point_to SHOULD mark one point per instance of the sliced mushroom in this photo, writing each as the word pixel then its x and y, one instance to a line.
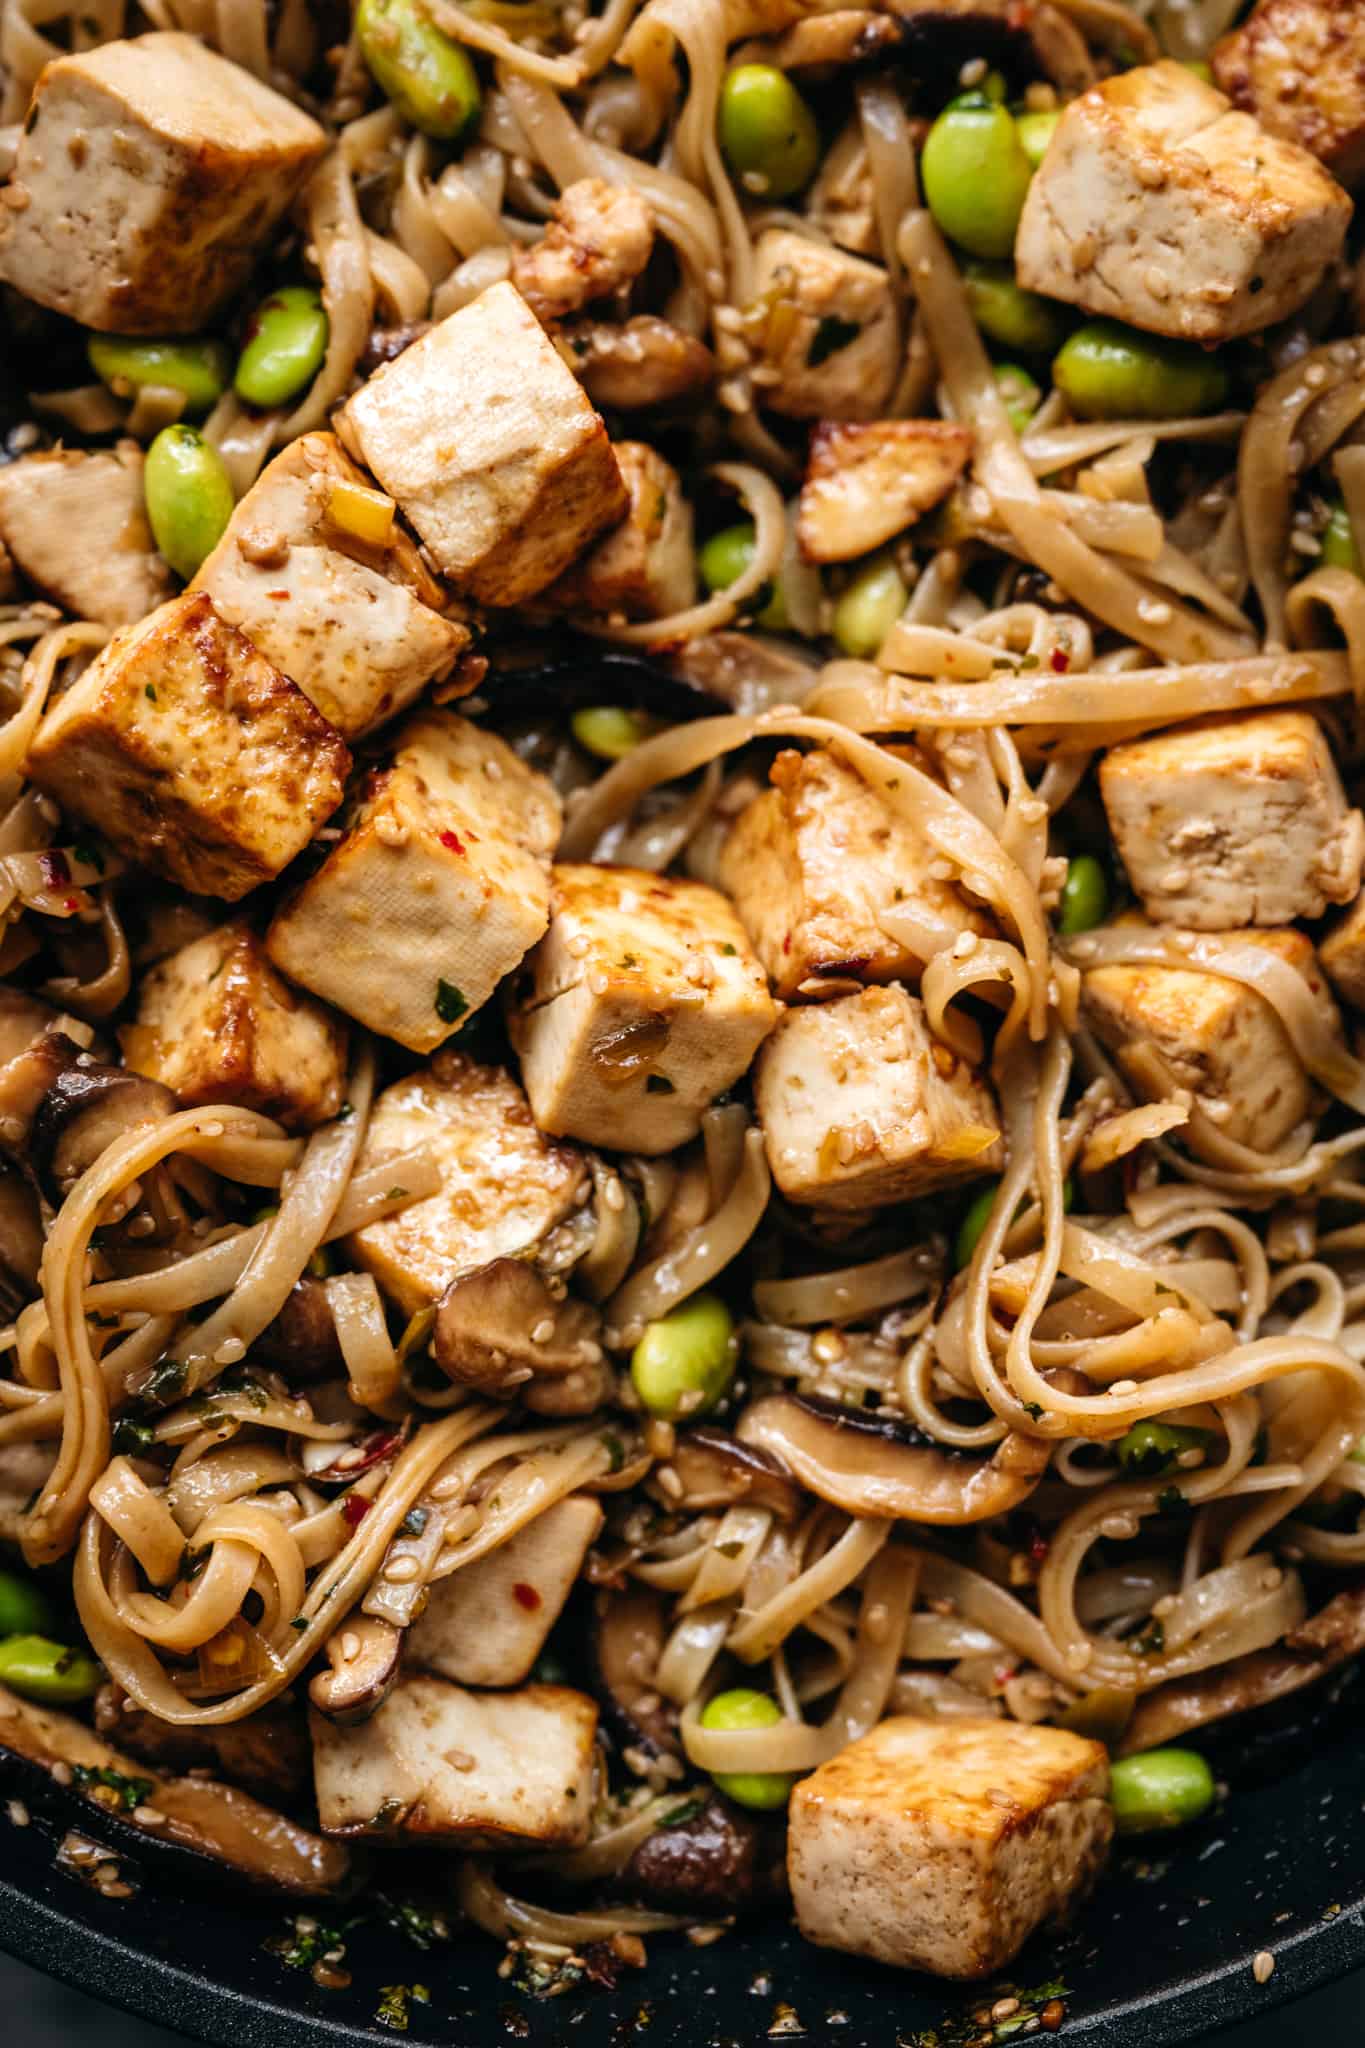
pixel 363 1657
pixel 644 361
pixel 716 1861
pixel 870 1466
pixel 21 1241
pixel 576 1393
pixel 26 1078
pixel 302 1341
pixel 501 1328
pixel 386 344
pixel 23 1017
pixel 84 1110
pixel 266 1755
pixel 628 1632
pixel 717 1470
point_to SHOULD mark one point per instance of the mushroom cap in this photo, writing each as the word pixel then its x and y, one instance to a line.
pixel 717 1471
pixel 627 1635
pixel 84 1110
pixel 502 1325
pixel 363 1657
pixel 716 1861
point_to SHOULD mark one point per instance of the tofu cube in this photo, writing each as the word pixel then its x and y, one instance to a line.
pixel 501 1770
pixel 487 1624
pixel 830 333
pixel 75 525
pixel 216 1023
pixel 1160 205
pixel 504 1186
pixel 866 483
pixel 597 240
pixel 438 888
pixel 942 1845
pixel 1299 67
pixel 813 863
pixel 359 628
pixel 860 1105
pixel 491 448
pixel 1239 822
pixel 643 567
pixel 147 176
pixel 192 753
pixel 642 1003
pixel 1342 953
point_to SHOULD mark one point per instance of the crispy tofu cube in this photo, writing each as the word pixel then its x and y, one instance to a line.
pixel 860 1105
pixel 147 176
pixel 438 888
pixel 643 567
pixel 503 1185
pixel 1175 1027
pixel 487 1624
pixel 1160 205
pixel 813 863
pixel 192 753
pixel 75 524
pixel 491 448
pixel 597 240
pixel 830 333
pixel 1342 954
pixel 642 1003
pixel 942 1845
pixel 489 1770
pixel 216 1023
pixel 865 483
pixel 1238 822
pixel 1299 67
pixel 358 628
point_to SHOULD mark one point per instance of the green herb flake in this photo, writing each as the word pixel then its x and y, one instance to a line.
pixel 300 1622
pixel 415 1521
pixel 130 1792
pixel 133 1439
pixel 830 336
pixel 150 693
pixel 89 853
pixel 615 1450
pixel 1035 1409
pixel 450 1004
pixel 678 1816
pixel 392 2009
pixel 395 1194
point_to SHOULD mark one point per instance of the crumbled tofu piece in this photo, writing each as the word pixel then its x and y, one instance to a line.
pixel 1177 1027
pixel 1299 67
pixel 644 566
pixel 1160 205
pixel 216 1023
pixel 642 361
pixel 830 334
pixel 358 628
pixel 597 239
pixel 147 176
pixel 865 483
pixel 491 448
pixel 489 1770
pixel 503 1185
pixel 487 1624
pixel 942 1845
pixel 860 1105
pixel 1241 821
pixel 813 863
pixel 1342 954
pixel 192 753
pixel 75 523
pixel 642 1003
pixel 438 888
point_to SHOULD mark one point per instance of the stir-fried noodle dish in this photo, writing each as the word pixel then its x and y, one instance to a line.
pixel 682 1202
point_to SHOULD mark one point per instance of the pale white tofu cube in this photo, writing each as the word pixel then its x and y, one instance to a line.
pixel 867 482
pixel 1299 67
pixel 147 176
pixel 861 1105
pixel 1239 822
pixel 942 1845
pixel 357 626
pixel 500 1770
pixel 642 1003
pixel 1342 953
pixel 192 753
pixel 438 888
pixel 830 333
pixel 487 1624
pixel 597 240
pixel 491 448
pixel 1159 205
pixel 75 525
pixel 644 567
pixel 504 1186
pixel 814 862
pixel 216 1023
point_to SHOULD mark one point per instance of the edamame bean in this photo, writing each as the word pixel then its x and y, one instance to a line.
pixel 868 608
pixel 127 366
pixel 24 1608
pixel 419 70
pixel 686 1360
pixel 976 175
pixel 1008 314
pixel 725 557
pixel 979 1215
pixel 189 497
pixel 1160 1789
pixel 609 731
pixel 52 1672
pixel 767 132
pixel 1151 1448
pixel 1085 895
pixel 1021 395
pixel 1035 132
pixel 1339 550
pixel 1111 372
pixel 286 342
pixel 745 1708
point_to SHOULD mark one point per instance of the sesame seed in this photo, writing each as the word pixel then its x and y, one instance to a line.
pixel 1263 1966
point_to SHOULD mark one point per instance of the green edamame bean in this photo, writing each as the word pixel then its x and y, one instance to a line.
pixel 419 70
pixel 979 1215
pixel 24 1608
pixel 686 1360
pixel 868 608
pixel 286 342
pixel 52 1672
pixel 1109 372
pixel 726 556
pixel 1151 1448
pixel 1021 395
pixel 1160 1789
pixel 767 132
pixel 745 1708
pixel 189 497
pixel 609 731
pixel 976 175
pixel 1339 550
pixel 1085 895
pixel 127 366
pixel 1008 314
pixel 1035 133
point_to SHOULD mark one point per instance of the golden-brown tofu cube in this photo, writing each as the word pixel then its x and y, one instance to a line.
pixel 1299 67
pixel 487 1623
pixel 829 340
pixel 597 239
pixel 865 483
pixel 75 524
pixel 643 567
pixel 192 753
pixel 1342 953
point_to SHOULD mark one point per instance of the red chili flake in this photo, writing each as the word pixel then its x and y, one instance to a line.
pixel 787 942
pixel 354 1509
pixel 1061 661
pixel 71 904
pixel 453 841
pixel 526 1596
pixel 1037 1545
pixel 55 870
pixel 278 595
